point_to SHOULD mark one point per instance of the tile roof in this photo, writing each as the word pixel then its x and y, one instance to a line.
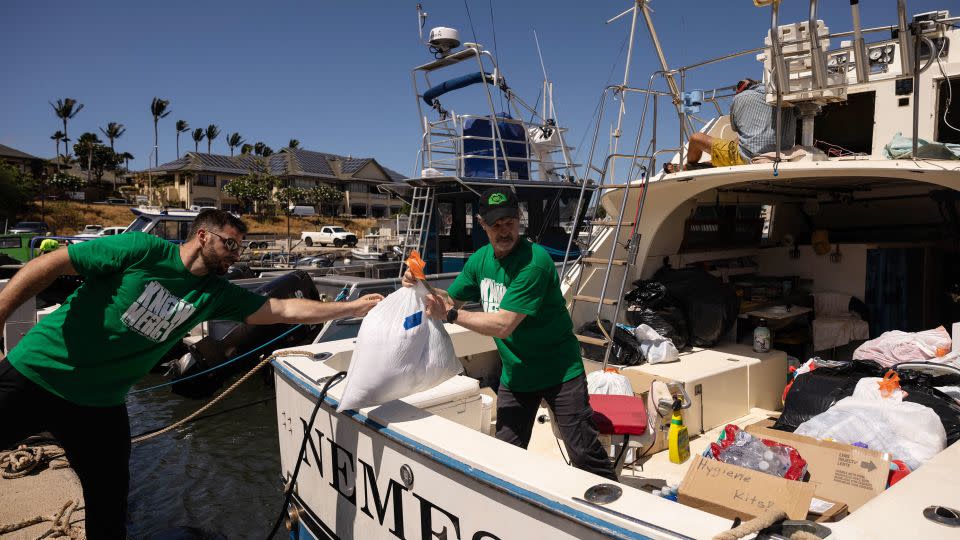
pixel 287 162
pixel 7 152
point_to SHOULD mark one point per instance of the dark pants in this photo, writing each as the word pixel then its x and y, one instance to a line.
pixel 95 439
pixel 517 411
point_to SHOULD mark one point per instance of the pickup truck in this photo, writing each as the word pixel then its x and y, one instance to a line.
pixel 329 234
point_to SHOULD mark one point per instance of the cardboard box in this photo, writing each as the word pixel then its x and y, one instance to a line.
pixel 841 472
pixel 731 492
pixel 826 511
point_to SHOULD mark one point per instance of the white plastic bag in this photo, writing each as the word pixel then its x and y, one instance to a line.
pixel 399 351
pixel 608 382
pixel 654 347
pixel 909 431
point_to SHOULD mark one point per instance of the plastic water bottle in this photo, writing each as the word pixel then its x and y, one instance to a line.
pixel 761 337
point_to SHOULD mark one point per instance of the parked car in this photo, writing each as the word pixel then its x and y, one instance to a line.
pixel 302 211
pixel 329 234
pixel 90 231
pixel 110 231
pixel 30 227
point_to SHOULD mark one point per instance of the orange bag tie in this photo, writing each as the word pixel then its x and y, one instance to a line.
pixel 889 384
pixel 416 265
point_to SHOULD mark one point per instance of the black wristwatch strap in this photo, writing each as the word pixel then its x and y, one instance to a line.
pixel 452 315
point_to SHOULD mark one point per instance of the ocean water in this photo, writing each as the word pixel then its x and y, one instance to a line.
pixel 217 477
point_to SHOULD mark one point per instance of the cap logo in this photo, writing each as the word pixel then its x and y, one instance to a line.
pixel 497 198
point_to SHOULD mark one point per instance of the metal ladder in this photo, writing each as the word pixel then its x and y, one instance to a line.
pixel 631 245
pixel 421 212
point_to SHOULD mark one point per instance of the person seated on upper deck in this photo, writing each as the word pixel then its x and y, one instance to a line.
pixel 753 121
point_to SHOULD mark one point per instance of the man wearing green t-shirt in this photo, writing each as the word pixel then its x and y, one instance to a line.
pixel 524 311
pixel 141 295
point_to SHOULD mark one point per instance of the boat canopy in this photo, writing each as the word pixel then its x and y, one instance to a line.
pixel 455 84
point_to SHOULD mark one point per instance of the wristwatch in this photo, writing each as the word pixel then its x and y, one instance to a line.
pixel 452 315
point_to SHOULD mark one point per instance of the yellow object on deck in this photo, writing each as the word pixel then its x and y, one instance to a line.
pixel 678 441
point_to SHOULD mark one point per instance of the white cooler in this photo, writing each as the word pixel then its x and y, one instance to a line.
pixel 457 399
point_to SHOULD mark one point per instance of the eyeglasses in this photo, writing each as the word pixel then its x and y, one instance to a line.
pixel 228 243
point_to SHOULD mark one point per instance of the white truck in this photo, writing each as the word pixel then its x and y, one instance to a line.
pixel 329 234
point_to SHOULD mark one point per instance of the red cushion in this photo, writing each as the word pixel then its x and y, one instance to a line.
pixel 619 415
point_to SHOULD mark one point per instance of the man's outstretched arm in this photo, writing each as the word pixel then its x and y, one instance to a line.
pixel 300 310
pixel 33 278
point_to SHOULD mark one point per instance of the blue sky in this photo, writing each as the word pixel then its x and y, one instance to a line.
pixel 336 75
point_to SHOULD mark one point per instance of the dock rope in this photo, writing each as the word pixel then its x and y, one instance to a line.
pixel 222 395
pixel 60 527
pixel 22 461
pixel 760 523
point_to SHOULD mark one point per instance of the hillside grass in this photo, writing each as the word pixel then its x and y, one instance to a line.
pixel 69 217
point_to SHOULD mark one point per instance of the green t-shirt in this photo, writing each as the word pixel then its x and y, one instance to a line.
pixel 136 302
pixel 542 351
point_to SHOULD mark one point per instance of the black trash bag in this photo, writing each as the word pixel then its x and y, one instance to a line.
pixel 814 392
pixel 668 321
pixel 626 348
pixel 649 303
pixel 648 294
pixel 710 305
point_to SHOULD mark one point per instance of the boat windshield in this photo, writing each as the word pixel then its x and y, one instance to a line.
pixel 140 223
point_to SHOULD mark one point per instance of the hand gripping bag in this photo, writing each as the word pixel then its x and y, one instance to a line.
pixel 399 350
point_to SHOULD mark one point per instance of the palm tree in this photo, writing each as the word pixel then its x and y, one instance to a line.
pixel 113 131
pixel 212 133
pixel 182 127
pixel 197 137
pixel 246 149
pixel 57 137
pixel 126 157
pixel 294 143
pixel 66 109
pixel 267 151
pixel 234 140
pixel 158 108
pixel 86 143
pixel 258 148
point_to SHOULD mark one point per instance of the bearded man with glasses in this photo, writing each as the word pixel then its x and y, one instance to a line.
pixel 141 295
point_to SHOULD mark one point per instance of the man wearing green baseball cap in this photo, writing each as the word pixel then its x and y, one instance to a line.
pixel 524 311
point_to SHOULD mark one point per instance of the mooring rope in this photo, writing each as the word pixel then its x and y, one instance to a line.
pixel 760 523
pixel 22 461
pixel 222 395
pixel 60 527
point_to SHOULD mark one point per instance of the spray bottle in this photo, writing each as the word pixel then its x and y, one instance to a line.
pixel 678 440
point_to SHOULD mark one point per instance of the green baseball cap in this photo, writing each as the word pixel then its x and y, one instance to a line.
pixel 498 203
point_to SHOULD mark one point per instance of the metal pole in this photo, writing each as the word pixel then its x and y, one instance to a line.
pixel 916 90
pixel 663 60
pixel 903 34
pixel 817 68
pixel 626 80
pixel 859 50
pixel 779 69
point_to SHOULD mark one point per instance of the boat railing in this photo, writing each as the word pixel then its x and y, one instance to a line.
pixel 456 146
pixel 799 69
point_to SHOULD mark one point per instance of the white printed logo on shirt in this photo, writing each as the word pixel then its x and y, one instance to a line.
pixel 157 313
pixel 491 294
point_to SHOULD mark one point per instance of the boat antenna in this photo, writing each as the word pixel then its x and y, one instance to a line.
pixel 496 54
pixel 421 21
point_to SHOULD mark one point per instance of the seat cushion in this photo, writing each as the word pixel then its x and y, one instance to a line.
pixel 619 415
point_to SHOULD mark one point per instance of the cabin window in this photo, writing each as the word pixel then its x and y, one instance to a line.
pixel 171 230
pixel 766 213
pixel 951 115
pixel 845 127
pixel 724 226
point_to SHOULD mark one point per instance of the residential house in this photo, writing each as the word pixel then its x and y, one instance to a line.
pixel 22 160
pixel 197 179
